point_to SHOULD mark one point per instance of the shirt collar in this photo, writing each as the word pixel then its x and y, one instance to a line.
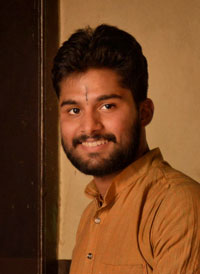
pixel 128 176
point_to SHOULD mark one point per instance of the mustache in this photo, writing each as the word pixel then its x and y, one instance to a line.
pixel 83 138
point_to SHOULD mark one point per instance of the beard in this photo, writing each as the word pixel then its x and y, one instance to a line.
pixel 117 160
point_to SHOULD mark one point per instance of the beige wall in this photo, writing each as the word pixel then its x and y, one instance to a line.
pixel 169 32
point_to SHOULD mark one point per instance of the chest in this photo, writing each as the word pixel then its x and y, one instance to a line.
pixel 109 240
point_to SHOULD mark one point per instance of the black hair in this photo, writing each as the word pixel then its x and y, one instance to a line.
pixel 103 47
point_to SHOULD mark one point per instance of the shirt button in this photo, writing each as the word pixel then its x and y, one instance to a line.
pixel 89 256
pixel 97 220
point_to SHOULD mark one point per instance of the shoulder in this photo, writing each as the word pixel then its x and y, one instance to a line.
pixel 180 200
pixel 175 228
pixel 171 194
pixel 179 185
pixel 171 182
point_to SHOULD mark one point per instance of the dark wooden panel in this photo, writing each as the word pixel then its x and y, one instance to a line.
pixel 18 265
pixel 20 133
pixel 64 266
pixel 28 136
pixel 58 267
pixel 50 138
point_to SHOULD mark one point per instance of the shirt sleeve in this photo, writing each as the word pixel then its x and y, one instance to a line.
pixel 176 232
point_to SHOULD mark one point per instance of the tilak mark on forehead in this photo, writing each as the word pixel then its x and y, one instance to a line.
pixel 86 95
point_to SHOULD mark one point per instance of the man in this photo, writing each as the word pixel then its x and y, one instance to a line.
pixel 144 216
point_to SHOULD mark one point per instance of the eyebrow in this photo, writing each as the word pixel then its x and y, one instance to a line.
pixel 110 96
pixel 68 102
pixel 100 98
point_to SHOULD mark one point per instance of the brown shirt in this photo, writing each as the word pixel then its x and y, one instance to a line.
pixel 149 222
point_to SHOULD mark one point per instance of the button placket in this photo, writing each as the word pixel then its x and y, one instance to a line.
pixel 89 256
pixel 99 216
pixel 97 220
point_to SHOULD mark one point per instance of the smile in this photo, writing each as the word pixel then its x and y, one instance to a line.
pixel 95 143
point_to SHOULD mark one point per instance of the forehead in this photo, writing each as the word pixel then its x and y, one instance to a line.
pixel 93 83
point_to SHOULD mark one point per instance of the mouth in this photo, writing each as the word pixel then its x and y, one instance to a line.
pixel 95 143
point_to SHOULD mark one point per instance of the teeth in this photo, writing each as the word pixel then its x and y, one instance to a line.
pixel 94 144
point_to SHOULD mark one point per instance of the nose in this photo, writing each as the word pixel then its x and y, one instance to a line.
pixel 91 123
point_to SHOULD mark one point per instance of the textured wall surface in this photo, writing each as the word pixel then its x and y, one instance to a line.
pixel 170 35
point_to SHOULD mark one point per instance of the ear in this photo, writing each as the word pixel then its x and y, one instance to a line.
pixel 146 110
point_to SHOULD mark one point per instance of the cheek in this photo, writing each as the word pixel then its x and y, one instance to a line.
pixel 66 131
pixel 120 127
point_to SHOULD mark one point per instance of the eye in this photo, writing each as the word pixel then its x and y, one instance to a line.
pixel 74 111
pixel 108 106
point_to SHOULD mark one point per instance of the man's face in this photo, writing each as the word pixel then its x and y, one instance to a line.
pixel 99 122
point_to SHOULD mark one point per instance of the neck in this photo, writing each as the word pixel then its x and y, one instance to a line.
pixel 104 182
